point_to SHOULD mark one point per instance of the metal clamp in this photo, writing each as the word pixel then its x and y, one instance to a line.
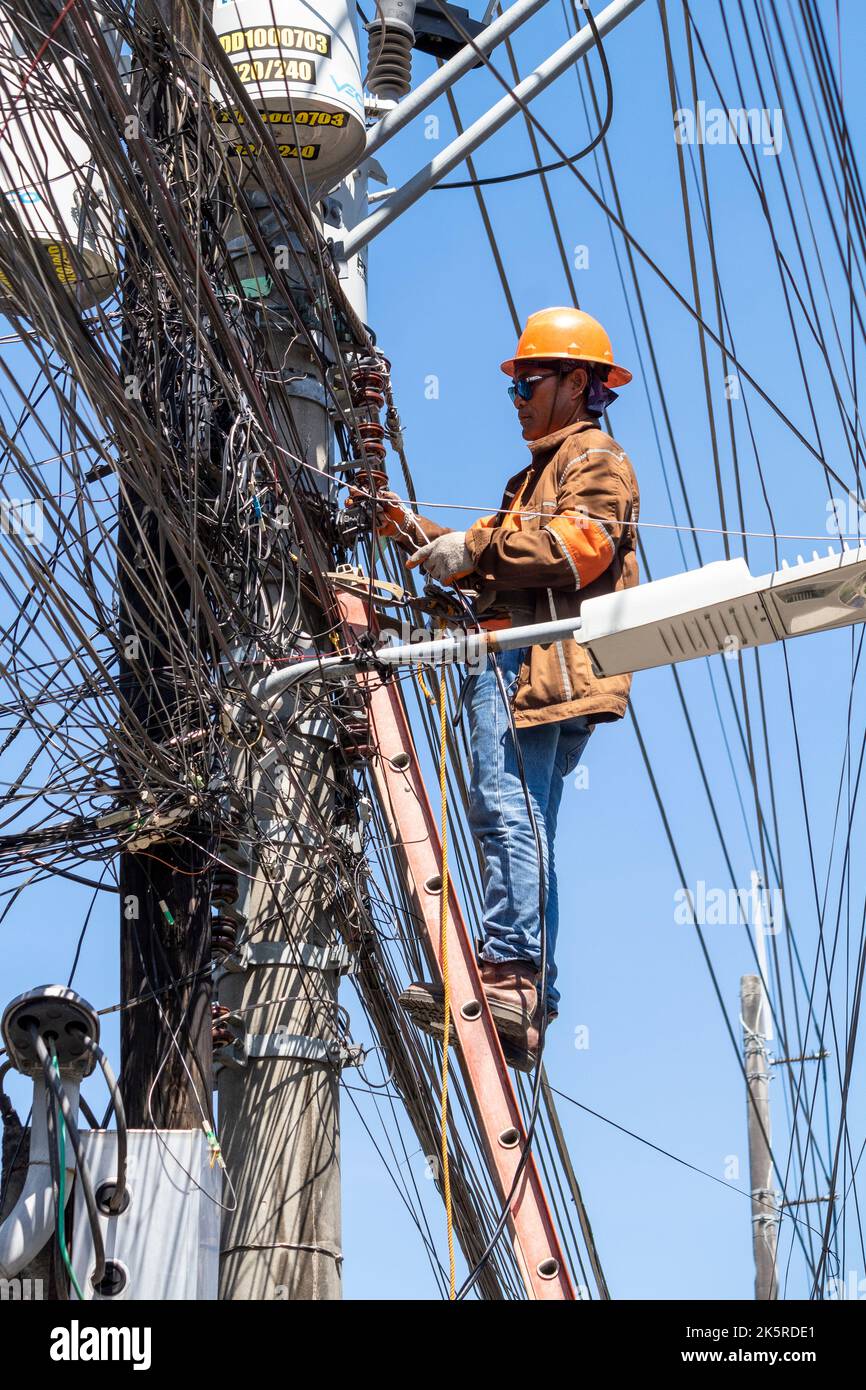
pixel 305 388
pixel 307 957
pixel 288 1047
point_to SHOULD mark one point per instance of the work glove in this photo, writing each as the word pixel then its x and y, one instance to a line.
pixel 391 513
pixel 445 559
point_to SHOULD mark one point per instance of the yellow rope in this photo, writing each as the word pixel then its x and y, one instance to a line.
pixel 443 953
pixel 424 686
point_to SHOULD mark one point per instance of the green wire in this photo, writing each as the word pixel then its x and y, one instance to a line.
pixel 61 1202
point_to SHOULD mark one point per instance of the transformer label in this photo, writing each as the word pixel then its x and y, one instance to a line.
pixel 276 70
pixel 284 151
pixel 62 264
pixel 309 118
pixel 284 36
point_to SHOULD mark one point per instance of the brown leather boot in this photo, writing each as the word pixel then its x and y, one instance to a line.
pixel 511 988
pixel 523 1055
pixel 512 996
pixel 425 1005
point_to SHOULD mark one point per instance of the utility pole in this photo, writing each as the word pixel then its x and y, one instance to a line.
pixel 262 875
pixel 279 1049
pixel 266 870
pixel 278 1080
pixel 765 1019
pixel 165 911
pixel 765 1215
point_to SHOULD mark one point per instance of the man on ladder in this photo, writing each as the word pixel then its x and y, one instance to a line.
pixel 562 534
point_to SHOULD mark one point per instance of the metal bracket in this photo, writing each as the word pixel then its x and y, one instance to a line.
pixel 288 1047
pixel 157 828
pixel 307 957
pixel 307 387
pixel 322 728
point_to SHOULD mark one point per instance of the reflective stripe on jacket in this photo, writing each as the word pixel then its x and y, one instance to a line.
pixel 571 539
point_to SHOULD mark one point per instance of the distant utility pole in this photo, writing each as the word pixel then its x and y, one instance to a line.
pixel 765 1213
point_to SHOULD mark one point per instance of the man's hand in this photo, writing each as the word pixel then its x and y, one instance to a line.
pixel 445 559
pixel 391 519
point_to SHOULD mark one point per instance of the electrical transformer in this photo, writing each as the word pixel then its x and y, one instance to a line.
pixel 298 61
pixel 47 175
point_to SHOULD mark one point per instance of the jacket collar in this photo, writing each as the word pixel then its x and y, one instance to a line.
pixel 549 442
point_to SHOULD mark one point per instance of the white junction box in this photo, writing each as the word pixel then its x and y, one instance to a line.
pixel 165 1245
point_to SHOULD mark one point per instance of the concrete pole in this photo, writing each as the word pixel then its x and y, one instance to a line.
pixel 765 1216
pixel 279 1113
pixel 765 1022
pixel 279 1109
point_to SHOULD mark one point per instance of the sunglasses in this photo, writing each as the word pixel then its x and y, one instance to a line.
pixel 525 385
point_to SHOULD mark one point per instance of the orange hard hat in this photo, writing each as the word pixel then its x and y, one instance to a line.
pixel 567 333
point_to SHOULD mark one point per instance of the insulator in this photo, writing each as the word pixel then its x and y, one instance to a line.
pixel 369 379
pixel 372 436
pixel 369 478
pixel 225 884
pixel 221 1034
pixel 355 743
pixel 390 51
pixel 223 936
pixel 372 428
pixel 368 399
pixel 368 388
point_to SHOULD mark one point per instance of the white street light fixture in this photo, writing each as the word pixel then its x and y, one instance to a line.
pixel 720 608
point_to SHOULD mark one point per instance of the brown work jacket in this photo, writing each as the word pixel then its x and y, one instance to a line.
pixel 570 537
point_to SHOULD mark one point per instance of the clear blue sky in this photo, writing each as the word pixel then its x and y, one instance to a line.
pixel 659 1061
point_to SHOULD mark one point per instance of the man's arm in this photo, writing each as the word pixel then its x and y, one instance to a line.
pixel 407 531
pixel 595 501
pixel 432 530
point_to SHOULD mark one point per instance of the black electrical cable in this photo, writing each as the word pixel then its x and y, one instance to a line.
pixel 52 1124
pixel 555 164
pixel 159 451
pixel 116 1200
pixel 58 1092
pixel 757 655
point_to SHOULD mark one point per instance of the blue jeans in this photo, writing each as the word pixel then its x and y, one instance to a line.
pixel 499 820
